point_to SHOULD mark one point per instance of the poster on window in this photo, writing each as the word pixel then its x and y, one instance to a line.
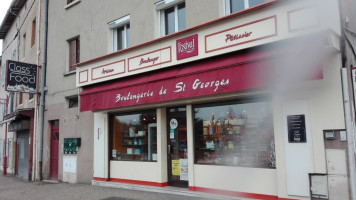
pixel 175 168
pixel 21 77
pixel 183 169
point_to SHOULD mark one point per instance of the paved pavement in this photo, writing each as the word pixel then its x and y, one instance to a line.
pixel 13 188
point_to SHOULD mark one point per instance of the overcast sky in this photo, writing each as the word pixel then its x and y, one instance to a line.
pixel 4 6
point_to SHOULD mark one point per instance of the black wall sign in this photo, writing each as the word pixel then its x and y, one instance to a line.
pixel 296 128
pixel 21 77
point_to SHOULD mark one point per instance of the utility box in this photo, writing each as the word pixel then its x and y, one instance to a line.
pixel 71 145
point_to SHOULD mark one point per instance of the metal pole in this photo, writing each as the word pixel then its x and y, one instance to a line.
pixel 43 87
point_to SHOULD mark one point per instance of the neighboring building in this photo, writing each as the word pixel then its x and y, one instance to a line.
pixel 22 37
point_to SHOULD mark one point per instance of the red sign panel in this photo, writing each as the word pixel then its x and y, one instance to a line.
pixel 187 47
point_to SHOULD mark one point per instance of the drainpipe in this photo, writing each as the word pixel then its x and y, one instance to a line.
pixel 4 166
pixel 43 86
pixel 349 131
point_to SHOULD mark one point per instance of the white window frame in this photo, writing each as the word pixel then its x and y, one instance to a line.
pixel 161 7
pixel 228 6
pixel 113 26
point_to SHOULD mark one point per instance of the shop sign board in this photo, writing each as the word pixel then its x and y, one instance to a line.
pixel 245 33
pixel 108 70
pixel 21 77
pixel 296 129
pixel 187 47
pixel 150 59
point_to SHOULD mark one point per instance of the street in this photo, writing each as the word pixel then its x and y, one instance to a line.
pixel 13 188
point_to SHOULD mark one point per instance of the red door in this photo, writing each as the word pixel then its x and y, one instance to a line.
pixel 54 152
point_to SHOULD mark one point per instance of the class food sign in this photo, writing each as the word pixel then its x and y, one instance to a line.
pixel 21 77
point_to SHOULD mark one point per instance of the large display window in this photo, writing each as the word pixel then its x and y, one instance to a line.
pixel 134 136
pixel 235 133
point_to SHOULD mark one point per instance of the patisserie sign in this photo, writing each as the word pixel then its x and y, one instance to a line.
pixel 21 77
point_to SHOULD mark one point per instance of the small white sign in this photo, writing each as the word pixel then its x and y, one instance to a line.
pixel 343 136
pixel 114 153
pixel 173 123
pixel 171 135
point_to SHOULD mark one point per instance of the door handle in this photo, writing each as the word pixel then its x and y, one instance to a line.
pixel 169 149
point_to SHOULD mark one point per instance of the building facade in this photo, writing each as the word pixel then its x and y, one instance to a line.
pixel 232 104
pixel 21 32
pixel 247 98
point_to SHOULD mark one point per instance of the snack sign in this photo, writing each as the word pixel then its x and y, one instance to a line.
pixel 21 77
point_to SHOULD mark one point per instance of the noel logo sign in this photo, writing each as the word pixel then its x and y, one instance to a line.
pixel 21 77
pixel 187 47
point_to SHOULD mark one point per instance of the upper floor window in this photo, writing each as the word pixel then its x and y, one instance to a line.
pixel 121 33
pixel 33 33
pixel 73 101
pixel 238 5
pixel 172 16
pixel 24 45
pixel 74 53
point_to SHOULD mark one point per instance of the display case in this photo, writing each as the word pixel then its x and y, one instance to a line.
pixel 134 138
pixel 242 139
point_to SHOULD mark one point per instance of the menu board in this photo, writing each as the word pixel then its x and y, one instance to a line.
pixel 296 129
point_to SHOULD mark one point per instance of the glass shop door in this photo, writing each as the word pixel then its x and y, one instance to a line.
pixel 177 149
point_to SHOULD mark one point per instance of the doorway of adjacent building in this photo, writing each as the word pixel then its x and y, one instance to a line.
pixel 23 147
pixel 177 148
pixel 54 149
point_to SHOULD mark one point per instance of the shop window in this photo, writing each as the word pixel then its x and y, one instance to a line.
pixel 74 53
pixel 238 5
pixel 134 137
pixel 121 33
pixel 172 16
pixel 236 133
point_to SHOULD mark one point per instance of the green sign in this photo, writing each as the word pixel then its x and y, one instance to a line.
pixel 71 145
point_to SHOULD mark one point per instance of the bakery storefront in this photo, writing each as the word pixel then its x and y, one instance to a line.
pixel 206 109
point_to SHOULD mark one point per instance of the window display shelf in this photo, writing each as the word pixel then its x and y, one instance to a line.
pixel 141 136
pixel 128 154
pixel 134 144
pixel 220 135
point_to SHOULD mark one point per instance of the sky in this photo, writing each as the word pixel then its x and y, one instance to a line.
pixel 4 6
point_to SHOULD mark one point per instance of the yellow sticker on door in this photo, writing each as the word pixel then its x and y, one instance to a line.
pixel 175 168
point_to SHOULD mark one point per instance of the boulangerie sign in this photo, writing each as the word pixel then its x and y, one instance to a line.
pixel 187 47
pixel 21 77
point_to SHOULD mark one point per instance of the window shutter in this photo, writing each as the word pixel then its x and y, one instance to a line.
pixel 77 50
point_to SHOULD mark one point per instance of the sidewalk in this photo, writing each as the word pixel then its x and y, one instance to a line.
pixel 14 188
